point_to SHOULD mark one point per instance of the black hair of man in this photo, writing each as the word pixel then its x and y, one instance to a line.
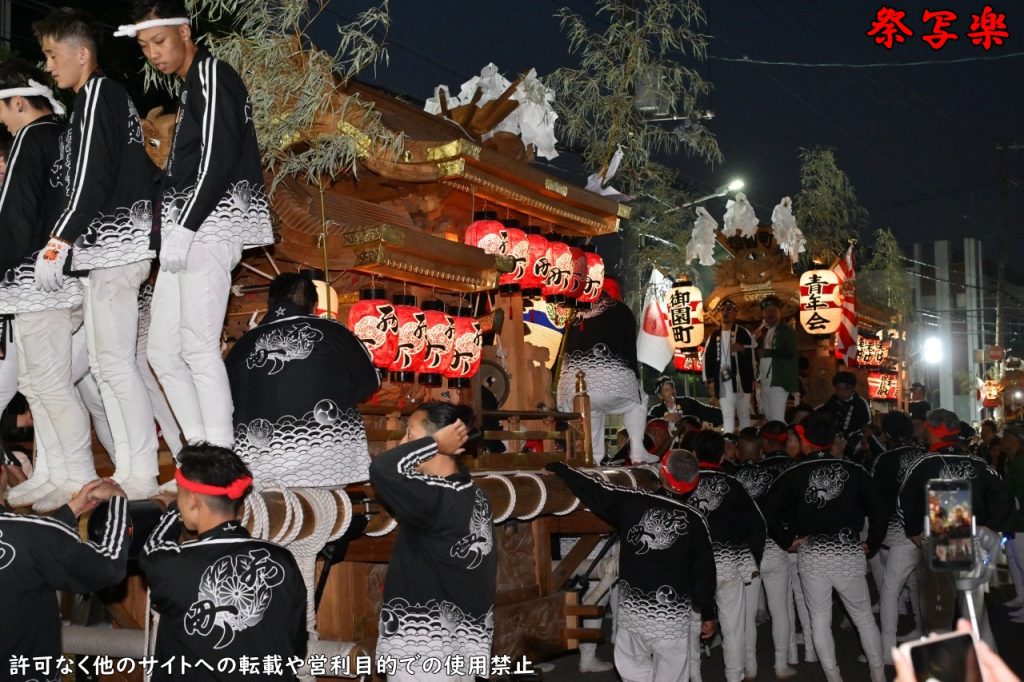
pixel 770 299
pixel 774 428
pixel 294 288
pixel 682 465
pixel 898 427
pixel 691 419
pixel 990 423
pixel 69 24
pixel 213 465
pixel 441 414
pixel 748 432
pixel 944 418
pixel 709 446
pixel 846 378
pixel 820 428
pixel 157 9
pixel 16 73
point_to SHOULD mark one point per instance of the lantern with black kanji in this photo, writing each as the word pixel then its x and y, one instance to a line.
pixel 374 322
pixel 559 270
pixel 485 232
pixel 440 340
pixel 467 349
pixel 519 251
pixel 821 302
pixel 595 278
pixel 685 306
pixel 412 339
pixel 578 275
pixel 536 264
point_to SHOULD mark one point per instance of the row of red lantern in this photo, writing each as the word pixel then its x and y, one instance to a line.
pixel 406 340
pixel 552 268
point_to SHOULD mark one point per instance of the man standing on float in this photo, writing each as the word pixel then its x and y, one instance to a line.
pixel 214 205
pixel 104 230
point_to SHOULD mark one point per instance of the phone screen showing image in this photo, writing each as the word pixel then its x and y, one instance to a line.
pixel 950 659
pixel 950 525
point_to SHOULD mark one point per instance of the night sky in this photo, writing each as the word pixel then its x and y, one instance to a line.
pixel 918 142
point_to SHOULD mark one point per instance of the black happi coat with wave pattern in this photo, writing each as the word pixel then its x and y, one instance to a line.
pixel 222 597
pixel 992 501
pixel 214 183
pixel 826 501
pixel 666 563
pixel 108 180
pixel 295 381
pixel 439 593
pixel 737 528
pixel 30 202
pixel 39 555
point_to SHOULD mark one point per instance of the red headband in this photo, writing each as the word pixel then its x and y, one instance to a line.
pixel 802 435
pixel 775 437
pixel 232 492
pixel 942 434
pixel 612 288
pixel 681 487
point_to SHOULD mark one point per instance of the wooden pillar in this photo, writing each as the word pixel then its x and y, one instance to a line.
pixel 512 342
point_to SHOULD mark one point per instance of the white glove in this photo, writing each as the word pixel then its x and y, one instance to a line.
pixel 50 265
pixel 175 241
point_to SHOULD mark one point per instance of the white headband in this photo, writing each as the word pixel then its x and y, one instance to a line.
pixel 35 89
pixel 132 30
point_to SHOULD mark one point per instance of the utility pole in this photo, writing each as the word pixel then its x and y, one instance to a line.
pixel 1004 235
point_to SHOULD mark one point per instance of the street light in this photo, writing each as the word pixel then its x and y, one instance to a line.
pixel 931 351
pixel 734 186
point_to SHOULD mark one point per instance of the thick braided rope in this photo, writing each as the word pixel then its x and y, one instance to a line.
pixel 346 505
pixel 543 500
pixel 292 513
pixel 305 550
pixel 256 513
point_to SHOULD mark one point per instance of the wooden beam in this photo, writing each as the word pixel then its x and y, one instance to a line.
pixel 568 565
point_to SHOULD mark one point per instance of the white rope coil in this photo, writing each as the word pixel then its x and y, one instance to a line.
pixel 344 519
pixel 543 496
pixel 500 518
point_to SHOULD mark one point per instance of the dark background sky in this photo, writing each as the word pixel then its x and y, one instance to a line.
pixel 918 142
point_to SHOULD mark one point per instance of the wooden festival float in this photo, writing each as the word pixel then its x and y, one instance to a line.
pixel 398 227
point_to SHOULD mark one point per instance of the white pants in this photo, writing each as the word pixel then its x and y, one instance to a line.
pixel 730 599
pixel 1015 562
pixel 634 418
pixel 751 597
pixel 900 568
pixel 735 406
pixel 639 659
pixel 8 371
pixel 184 341
pixel 774 403
pixel 800 604
pixel 853 590
pixel 775 578
pixel 161 410
pixel 111 328
pixel 61 422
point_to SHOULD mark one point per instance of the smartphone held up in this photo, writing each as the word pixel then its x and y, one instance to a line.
pixel 950 525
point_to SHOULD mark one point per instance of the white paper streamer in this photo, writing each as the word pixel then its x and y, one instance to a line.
pixel 787 234
pixel 702 239
pixel 739 217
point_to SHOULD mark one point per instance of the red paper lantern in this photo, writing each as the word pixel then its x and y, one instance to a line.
pixel 440 341
pixel 595 278
pixel 519 250
pixel 559 270
pixel 537 263
pixel 374 322
pixel 412 339
pixel 578 276
pixel 467 350
pixel 485 232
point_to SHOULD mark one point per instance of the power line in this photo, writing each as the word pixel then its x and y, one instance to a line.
pixel 874 65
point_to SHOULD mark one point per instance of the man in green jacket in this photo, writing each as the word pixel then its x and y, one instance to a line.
pixel 777 369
